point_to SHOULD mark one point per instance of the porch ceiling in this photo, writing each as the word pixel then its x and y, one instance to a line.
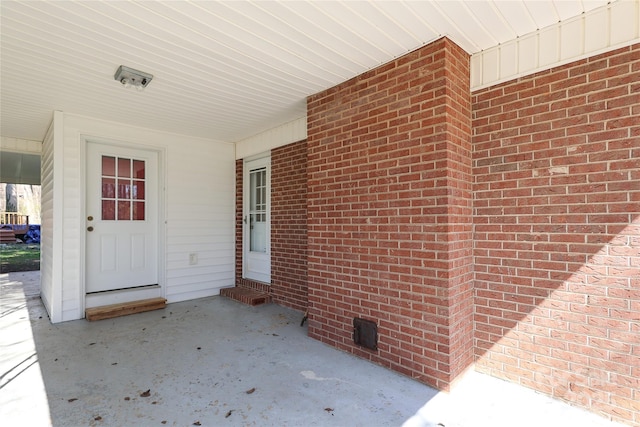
pixel 225 70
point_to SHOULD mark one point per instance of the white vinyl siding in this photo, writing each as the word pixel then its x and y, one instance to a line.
pixel 200 218
pixel 198 203
pixel 72 224
pixel 46 227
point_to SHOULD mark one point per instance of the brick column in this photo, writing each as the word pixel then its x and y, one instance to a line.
pixel 390 215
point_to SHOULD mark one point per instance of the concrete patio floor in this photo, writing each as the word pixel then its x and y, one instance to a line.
pixel 215 362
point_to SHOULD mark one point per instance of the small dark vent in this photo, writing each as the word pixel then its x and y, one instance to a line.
pixel 365 333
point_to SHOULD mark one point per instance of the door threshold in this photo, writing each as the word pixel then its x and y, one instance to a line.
pixel 124 289
pixel 120 296
pixel 124 309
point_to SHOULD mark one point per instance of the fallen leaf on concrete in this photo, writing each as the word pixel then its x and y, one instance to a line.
pixel 98 418
pixel 127 398
pixel 251 390
pixel 73 399
pixel 114 363
pixel 229 413
pixel 197 423
pixel 199 348
pixel 155 402
pixel 92 343
pixel 163 422
pixel 146 393
pixel 328 409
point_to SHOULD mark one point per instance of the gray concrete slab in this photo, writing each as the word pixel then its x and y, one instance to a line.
pixel 216 362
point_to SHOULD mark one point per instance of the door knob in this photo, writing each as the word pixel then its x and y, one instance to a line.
pixel 90 228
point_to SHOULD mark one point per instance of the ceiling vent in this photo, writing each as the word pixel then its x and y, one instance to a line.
pixel 130 77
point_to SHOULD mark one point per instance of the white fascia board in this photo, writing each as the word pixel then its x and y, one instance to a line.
pixel 278 136
pixel 16 145
pixel 601 30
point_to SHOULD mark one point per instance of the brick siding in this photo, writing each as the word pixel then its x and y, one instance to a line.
pixel 289 225
pixel 390 213
pixel 505 222
pixel 556 168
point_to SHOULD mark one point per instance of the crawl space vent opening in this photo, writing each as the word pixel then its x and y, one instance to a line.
pixel 365 333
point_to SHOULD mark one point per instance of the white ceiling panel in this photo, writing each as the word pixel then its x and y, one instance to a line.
pixel 224 70
pixel 354 18
pixel 437 14
pixel 310 34
pixel 543 13
pixel 286 29
pixel 404 14
pixel 392 33
pixel 517 14
pixel 456 18
pixel 488 15
pixel 568 9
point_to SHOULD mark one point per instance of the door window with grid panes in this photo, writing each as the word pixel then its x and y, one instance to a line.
pixel 123 189
pixel 258 210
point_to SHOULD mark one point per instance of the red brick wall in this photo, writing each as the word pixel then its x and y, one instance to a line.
pixel 459 217
pixel 557 232
pixel 390 215
pixel 289 225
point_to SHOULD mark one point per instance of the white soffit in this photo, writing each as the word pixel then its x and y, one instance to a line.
pixel 228 70
pixel 600 30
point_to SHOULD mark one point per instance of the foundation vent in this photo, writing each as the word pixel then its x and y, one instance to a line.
pixel 365 333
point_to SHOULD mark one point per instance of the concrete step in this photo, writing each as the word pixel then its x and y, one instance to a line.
pixel 246 295
pixel 124 309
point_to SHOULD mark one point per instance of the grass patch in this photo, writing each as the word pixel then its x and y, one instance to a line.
pixel 19 257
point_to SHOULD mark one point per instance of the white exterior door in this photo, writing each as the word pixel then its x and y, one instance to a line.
pixel 257 220
pixel 122 218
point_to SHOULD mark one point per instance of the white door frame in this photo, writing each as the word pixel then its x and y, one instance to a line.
pixel 262 261
pixel 87 301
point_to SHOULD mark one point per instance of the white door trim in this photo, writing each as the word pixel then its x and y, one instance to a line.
pixel 87 301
